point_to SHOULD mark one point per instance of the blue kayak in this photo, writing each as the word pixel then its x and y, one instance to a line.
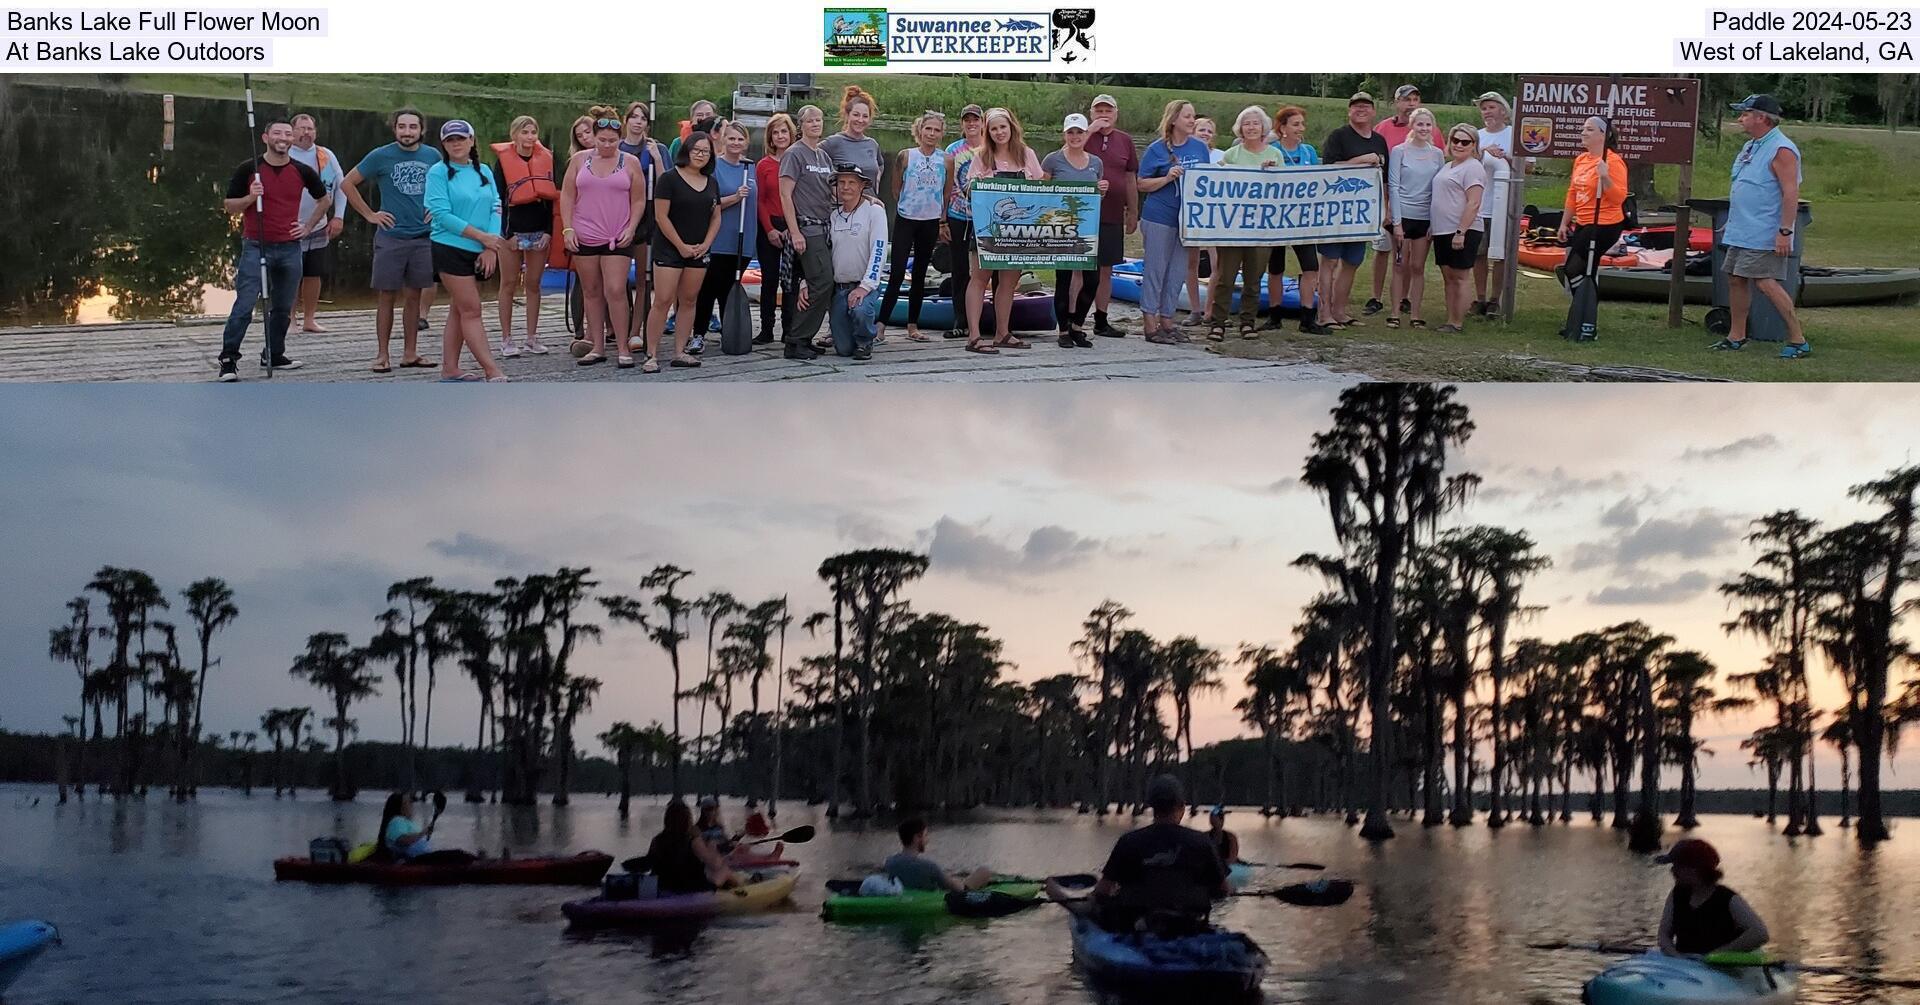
pixel 1126 286
pixel 20 943
pixel 1238 874
pixel 1213 965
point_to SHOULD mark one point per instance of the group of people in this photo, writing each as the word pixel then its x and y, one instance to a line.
pixel 656 231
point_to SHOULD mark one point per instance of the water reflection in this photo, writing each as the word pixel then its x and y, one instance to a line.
pixel 113 225
pixel 164 903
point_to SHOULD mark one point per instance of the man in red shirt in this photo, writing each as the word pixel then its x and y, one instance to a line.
pixel 1119 210
pixel 265 193
pixel 1406 98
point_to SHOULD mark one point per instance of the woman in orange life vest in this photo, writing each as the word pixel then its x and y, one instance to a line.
pixel 524 175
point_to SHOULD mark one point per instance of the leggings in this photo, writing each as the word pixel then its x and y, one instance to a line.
pixel 1164 270
pixel 961 234
pixel 915 237
pixel 722 270
pixel 1600 237
pixel 1071 311
pixel 770 288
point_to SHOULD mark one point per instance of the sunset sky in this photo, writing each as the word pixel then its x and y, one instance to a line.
pixel 1035 503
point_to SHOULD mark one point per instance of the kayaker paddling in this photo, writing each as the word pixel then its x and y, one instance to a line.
pixel 913 870
pixel 402 839
pixel 1225 843
pixel 681 858
pixel 712 829
pixel 1162 870
pixel 1701 916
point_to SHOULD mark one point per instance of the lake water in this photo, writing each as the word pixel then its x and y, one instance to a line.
pixel 163 903
pixel 119 227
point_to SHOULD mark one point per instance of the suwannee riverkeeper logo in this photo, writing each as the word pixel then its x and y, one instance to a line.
pixel 868 36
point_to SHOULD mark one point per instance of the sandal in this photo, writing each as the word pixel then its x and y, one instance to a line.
pixel 1247 331
pixel 1393 323
pixel 650 367
pixel 984 350
pixel 590 359
pixel 380 368
pixel 918 337
pixel 465 378
pixel 1450 330
pixel 625 363
pixel 1216 333
pixel 1417 323
pixel 418 363
pixel 1011 342
pixel 684 364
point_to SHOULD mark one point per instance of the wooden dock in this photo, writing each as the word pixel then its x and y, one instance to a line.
pixel 187 351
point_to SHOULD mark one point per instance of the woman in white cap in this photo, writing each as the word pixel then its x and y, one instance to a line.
pixel 463 208
pixel 1073 289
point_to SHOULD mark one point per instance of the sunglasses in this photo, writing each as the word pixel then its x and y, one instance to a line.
pixel 606 123
pixel 1463 141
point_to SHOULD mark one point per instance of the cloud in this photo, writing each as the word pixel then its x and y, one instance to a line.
pixel 1548 487
pixel 1624 514
pixel 482 551
pixel 1683 587
pixel 1700 535
pixel 970 550
pixel 1728 451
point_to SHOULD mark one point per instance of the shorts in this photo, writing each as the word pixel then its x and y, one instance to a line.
pixel 451 261
pixel 1413 230
pixel 317 263
pixel 1113 244
pixel 666 257
pixel 1302 253
pixel 596 250
pixel 530 242
pixel 401 263
pixel 1382 244
pixel 1350 252
pixel 1752 263
pixel 1447 256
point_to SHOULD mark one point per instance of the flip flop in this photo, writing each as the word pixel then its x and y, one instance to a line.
pixel 649 367
pixel 919 338
pixel 465 378
pixel 984 350
pixel 421 363
pixel 1012 343
pixel 380 369
pixel 685 364
pixel 590 359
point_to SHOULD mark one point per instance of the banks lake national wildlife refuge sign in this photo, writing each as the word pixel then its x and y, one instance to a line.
pixel 1654 118
pixel 1023 224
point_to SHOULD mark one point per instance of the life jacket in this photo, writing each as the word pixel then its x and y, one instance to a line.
pixel 528 180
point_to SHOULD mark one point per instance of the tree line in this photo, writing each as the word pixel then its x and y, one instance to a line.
pixel 1407 683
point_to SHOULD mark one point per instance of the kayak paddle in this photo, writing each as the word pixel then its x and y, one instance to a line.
pixel 799 835
pixel 439 807
pixel 1740 960
pixel 1309 866
pixel 1319 893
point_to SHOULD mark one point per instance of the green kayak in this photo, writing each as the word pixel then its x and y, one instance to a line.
pixel 995 899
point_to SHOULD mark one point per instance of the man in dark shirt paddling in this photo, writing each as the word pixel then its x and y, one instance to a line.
pixel 1164 868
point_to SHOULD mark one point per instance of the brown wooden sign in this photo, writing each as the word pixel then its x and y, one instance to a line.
pixel 1654 118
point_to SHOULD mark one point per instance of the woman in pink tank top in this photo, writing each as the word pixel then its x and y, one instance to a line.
pixel 600 203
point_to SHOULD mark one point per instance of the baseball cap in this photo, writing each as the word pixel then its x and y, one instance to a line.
pixel 974 110
pixel 1360 98
pixel 1218 811
pixel 1074 121
pixel 1692 853
pixel 709 803
pixel 853 169
pixel 1165 793
pixel 456 127
pixel 1758 103
pixel 1104 99
pixel 1405 89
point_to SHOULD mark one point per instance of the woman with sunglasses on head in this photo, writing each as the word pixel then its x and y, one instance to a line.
pixel 1595 212
pixel 1005 155
pixel 731 246
pixel 1411 167
pixel 524 174
pixel 920 194
pixel 600 204
pixel 771 238
pixel 654 161
pixel 1458 188
pixel 463 209
pixel 686 214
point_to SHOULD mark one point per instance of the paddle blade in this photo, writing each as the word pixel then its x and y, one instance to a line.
pixel 844 887
pixel 439 802
pixel 799 835
pixel 1075 880
pixel 736 323
pixel 1309 866
pixel 1319 893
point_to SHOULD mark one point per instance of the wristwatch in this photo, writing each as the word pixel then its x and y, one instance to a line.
pixel 1786 231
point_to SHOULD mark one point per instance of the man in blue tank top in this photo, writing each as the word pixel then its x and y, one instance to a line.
pixel 1765 203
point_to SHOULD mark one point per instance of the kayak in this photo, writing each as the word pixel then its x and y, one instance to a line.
pixel 1819 286
pixel 928 903
pixel 1655 979
pixel 1216 964
pixel 1238 874
pixel 1550 256
pixel 20 943
pixel 763 891
pixel 1126 287
pixel 584 869
pixel 741 858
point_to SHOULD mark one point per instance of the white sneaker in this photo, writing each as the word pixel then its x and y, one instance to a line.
pixel 508 350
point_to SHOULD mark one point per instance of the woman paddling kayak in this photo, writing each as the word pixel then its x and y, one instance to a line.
pixel 403 840
pixel 682 860
pixel 1701 916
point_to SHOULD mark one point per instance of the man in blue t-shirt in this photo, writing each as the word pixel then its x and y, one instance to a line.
pixel 1763 209
pixel 402 247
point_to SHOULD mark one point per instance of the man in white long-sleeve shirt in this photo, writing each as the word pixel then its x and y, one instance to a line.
pixel 859 239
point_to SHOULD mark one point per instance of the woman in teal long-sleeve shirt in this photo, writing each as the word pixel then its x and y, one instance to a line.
pixel 464 208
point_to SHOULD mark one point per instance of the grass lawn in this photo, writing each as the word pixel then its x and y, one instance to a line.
pixel 1864 185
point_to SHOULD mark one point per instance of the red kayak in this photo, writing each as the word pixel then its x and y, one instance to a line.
pixel 584 869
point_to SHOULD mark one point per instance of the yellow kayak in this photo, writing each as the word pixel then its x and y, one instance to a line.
pixel 765 890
